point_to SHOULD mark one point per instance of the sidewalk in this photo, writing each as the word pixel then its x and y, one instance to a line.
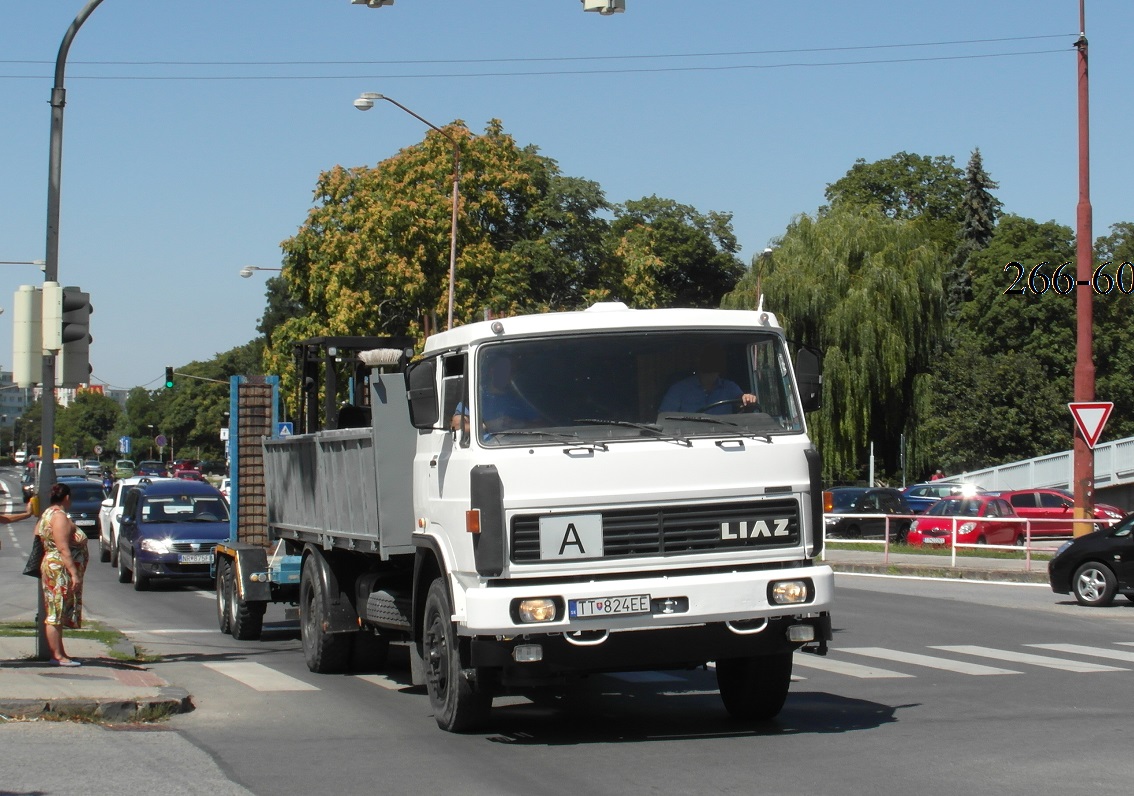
pixel 103 688
pixel 966 568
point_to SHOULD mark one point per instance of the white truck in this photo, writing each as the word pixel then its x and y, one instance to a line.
pixel 537 498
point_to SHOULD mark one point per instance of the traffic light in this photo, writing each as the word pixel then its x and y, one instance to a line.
pixel 27 336
pixel 169 378
pixel 74 365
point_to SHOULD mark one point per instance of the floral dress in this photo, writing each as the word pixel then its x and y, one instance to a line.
pixel 62 601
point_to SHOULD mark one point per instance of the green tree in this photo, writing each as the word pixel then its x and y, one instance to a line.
pixel 929 190
pixel 866 290
pixel 1113 342
pixel 671 255
pixel 89 420
pixel 979 212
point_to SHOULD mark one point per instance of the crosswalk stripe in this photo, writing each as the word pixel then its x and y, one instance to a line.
pixel 381 681
pixel 1026 657
pixel 829 664
pixel 1095 652
pixel 260 677
pixel 962 667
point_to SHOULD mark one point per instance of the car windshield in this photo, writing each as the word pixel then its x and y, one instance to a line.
pixel 609 387
pixel 957 507
pixel 184 508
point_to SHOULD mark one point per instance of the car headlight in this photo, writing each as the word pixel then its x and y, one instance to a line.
pixel 156 545
pixel 913 525
pixel 966 527
pixel 1062 548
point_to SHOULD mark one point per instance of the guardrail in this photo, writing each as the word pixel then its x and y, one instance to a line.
pixel 1027 547
pixel 1114 464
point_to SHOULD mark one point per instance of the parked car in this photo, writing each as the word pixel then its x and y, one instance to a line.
pixel 852 500
pixel 169 529
pixel 188 475
pixel 152 469
pixel 982 519
pixel 1055 508
pixel 86 500
pixel 226 487
pixel 920 497
pixel 1096 566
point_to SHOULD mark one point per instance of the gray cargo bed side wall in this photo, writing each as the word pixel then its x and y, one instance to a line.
pixel 349 487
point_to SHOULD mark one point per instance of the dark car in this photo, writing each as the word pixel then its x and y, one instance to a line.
pixel 169 530
pixel 152 469
pixel 1055 510
pixel 86 501
pixel 1096 566
pixel 854 500
pixel 921 497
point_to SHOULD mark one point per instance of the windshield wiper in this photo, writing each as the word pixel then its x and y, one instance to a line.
pixel 566 439
pixel 650 427
pixel 741 430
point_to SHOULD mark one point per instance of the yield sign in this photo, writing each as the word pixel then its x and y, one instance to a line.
pixel 1090 418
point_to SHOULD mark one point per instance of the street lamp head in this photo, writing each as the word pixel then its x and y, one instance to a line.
pixel 364 104
pixel 246 271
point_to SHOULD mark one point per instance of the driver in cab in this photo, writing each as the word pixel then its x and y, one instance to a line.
pixel 706 391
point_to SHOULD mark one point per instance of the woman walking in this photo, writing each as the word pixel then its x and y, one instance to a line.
pixel 64 563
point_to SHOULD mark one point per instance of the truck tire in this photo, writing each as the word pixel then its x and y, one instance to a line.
pixel 457 705
pixel 326 653
pixel 245 619
pixel 754 689
pixel 224 594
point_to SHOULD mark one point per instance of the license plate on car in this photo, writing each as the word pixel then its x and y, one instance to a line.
pixel 609 606
pixel 934 539
pixel 195 558
pixel 84 523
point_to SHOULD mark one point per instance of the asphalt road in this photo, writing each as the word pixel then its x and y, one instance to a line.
pixel 931 688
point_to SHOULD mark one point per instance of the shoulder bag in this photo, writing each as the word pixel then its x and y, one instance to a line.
pixel 35 558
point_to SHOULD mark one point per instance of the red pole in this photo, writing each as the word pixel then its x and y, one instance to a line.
pixel 1084 462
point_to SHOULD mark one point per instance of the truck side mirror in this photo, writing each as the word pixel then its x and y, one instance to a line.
pixel 421 392
pixel 809 376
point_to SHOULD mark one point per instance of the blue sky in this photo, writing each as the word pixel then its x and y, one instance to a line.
pixel 178 169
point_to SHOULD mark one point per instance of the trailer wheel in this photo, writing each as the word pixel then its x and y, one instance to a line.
pixel 245 619
pixel 224 593
pixel 326 653
pixel 754 688
pixel 457 705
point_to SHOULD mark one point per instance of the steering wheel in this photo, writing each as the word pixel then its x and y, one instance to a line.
pixel 738 402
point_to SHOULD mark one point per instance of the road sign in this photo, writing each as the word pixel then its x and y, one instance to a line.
pixel 285 429
pixel 123 444
pixel 1091 418
pixel 98 450
pixel 161 441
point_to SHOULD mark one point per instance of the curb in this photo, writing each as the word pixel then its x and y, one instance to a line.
pixel 948 573
pixel 169 701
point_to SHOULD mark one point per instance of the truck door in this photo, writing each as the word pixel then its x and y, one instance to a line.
pixel 447 480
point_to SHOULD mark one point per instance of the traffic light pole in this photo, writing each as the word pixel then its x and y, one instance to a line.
pixel 51 274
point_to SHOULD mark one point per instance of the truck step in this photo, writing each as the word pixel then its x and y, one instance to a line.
pixel 385 609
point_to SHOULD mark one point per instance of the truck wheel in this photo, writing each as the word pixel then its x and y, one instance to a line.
pixel 245 619
pixel 224 594
pixel 754 688
pixel 326 653
pixel 457 705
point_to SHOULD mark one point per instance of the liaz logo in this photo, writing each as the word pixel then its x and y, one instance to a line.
pixel 754 530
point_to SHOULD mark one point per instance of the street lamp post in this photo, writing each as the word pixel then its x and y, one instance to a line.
pixel 248 270
pixel 365 102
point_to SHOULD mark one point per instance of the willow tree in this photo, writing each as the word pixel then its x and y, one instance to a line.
pixel 867 290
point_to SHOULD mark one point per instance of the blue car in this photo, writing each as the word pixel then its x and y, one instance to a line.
pixel 169 530
pixel 922 497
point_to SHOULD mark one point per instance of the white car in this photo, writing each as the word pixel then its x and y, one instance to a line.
pixel 225 487
pixel 111 514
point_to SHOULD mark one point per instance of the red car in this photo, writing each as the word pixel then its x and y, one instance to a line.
pixel 189 475
pixel 981 519
pixel 1055 510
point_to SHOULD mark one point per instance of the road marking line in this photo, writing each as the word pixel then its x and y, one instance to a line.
pixel 961 667
pixel 260 677
pixel 382 681
pixel 1096 652
pixel 842 667
pixel 171 631
pixel 1035 660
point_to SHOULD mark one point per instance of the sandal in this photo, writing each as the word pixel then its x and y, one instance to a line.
pixel 66 662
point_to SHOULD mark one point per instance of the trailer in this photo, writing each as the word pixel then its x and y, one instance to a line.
pixel 538 498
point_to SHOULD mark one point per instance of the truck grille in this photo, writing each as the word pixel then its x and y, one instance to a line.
pixel 677 530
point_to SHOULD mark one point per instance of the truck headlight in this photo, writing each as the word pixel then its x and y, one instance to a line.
pixel 789 592
pixel 537 609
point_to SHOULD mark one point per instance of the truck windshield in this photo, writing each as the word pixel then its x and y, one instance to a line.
pixel 673 384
